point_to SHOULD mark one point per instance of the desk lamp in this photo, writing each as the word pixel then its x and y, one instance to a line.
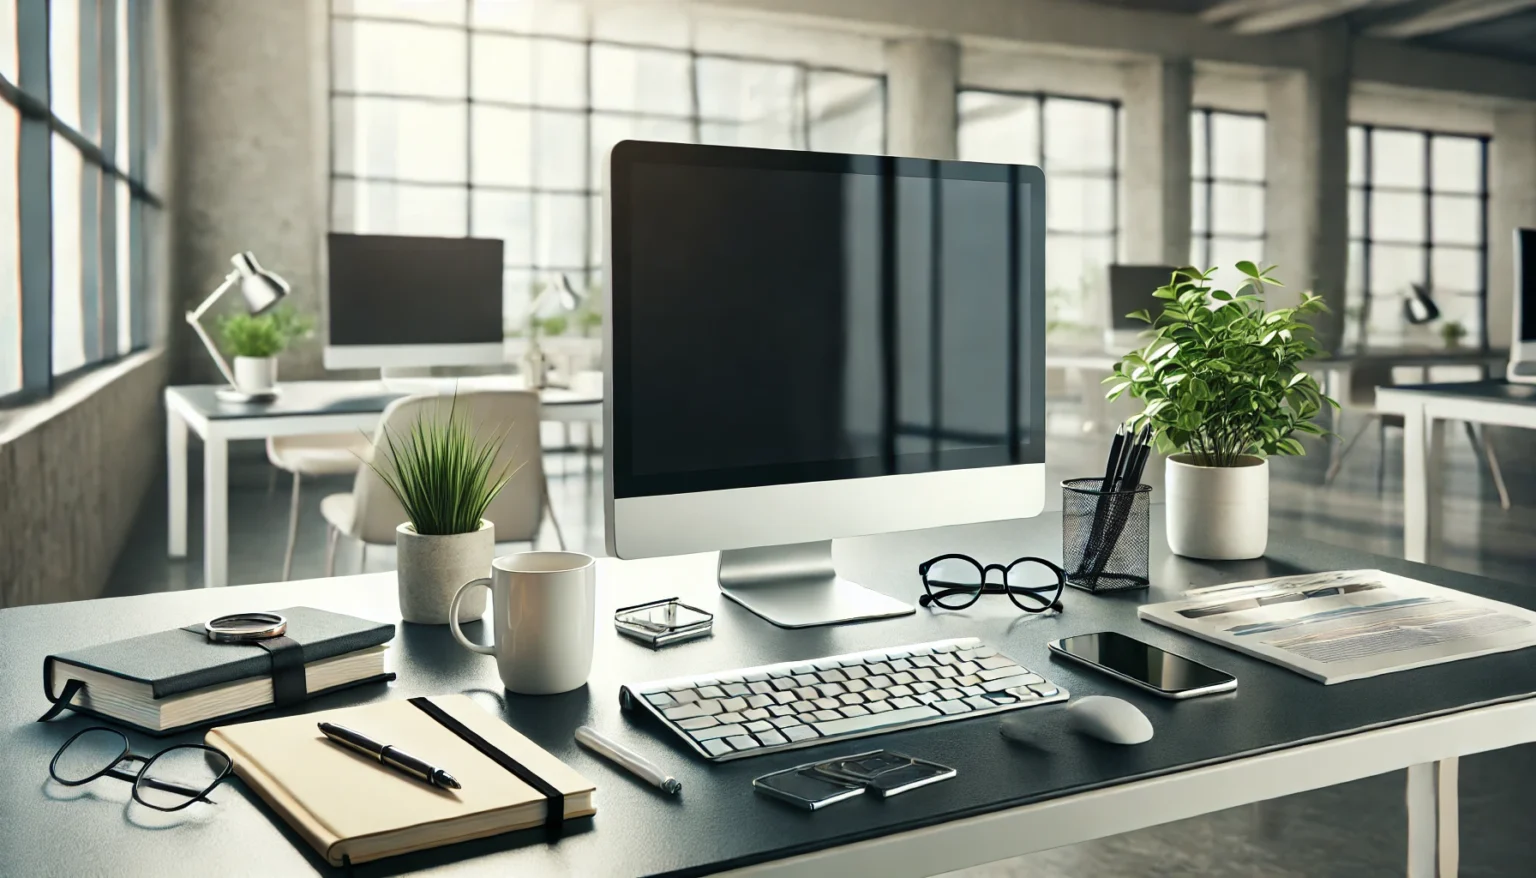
pixel 262 289
pixel 534 362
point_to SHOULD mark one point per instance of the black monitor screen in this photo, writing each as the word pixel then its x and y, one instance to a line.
pixel 1525 264
pixel 394 290
pixel 1130 290
pixel 785 317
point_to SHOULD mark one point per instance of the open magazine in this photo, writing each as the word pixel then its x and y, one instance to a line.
pixel 1347 624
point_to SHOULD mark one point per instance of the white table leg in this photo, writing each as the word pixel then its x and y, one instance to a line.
pixel 1433 833
pixel 176 482
pixel 1423 452
pixel 215 512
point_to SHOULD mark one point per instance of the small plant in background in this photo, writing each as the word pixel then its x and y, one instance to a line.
pixel 263 335
pixel 443 475
pixel 552 326
pixel 1452 333
pixel 1221 377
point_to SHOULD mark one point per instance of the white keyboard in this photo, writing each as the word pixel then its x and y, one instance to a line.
pixel 745 712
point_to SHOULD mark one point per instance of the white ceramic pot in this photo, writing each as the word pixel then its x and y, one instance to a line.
pixel 431 569
pixel 1219 513
pixel 255 374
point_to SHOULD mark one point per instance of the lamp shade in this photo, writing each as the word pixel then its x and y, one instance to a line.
pixel 570 300
pixel 262 289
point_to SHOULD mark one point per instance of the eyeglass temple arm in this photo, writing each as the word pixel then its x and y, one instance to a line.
pixel 190 793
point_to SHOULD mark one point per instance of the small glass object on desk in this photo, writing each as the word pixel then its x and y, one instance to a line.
pixel 1105 535
pixel 663 623
pixel 169 780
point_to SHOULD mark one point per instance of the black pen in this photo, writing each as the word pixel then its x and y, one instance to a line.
pixel 392 757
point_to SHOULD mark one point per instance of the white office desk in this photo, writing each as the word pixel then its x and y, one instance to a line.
pixel 302 408
pixel 1425 408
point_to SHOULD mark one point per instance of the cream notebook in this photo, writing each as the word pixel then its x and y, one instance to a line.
pixel 350 807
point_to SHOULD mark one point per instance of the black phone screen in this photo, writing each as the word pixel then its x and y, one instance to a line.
pixel 1142 662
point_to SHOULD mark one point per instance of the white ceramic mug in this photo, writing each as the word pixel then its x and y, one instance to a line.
pixel 543 612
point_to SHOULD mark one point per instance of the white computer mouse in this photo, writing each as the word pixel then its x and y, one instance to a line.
pixel 1109 719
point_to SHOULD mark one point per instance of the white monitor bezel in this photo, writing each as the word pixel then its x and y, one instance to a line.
pixel 413 356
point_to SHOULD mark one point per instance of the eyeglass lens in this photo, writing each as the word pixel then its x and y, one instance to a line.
pixel 180 775
pixel 1035 584
pixel 87 755
pixel 954 583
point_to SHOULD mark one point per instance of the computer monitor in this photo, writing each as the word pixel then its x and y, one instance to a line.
pixel 804 346
pixel 1522 354
pixel 1130 289
pixel 397 301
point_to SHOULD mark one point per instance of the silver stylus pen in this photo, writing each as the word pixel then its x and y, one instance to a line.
pixel 628 759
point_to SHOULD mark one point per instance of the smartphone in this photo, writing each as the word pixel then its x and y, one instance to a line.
pixel 1144 665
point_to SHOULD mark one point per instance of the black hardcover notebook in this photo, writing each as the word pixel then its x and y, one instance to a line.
pixel 177 679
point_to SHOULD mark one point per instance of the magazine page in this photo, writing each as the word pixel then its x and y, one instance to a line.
pixel 1346 625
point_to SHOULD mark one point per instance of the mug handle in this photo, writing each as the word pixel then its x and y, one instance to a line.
pixel 453 617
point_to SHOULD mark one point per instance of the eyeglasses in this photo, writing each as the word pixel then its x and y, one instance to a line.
pixel 954 582
pixel 169 780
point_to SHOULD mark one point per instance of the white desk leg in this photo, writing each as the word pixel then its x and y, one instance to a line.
pixel 1423 453
pixel 176 482
pixel 1433 833
pixel 215 512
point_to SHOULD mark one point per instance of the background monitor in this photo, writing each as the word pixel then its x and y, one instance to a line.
pixel 803 346
pixel 1522 355
pixel 1130 289
pixel 398 301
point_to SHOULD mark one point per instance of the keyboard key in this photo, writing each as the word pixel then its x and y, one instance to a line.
pixel 780 710
pixel 755 713
pixel 878 706
pixel 798 670
pixel 660 699
pixel 761 725
pixel 902 678
pixel 897 653
pixel 785 722
pixel 683 711
pixel 806 680
pixel 745 742
pixel 876 695
pixel 824 715
pixel 856 672
pixel 733 704
pixel 759 700
pixel 716 747
pixel 920 650
pixel 901 665
pixel 950 708
pixel 903 703
pixel 697 722
pixel 832 676
pixel 922 687
pixel 967 680
pixel 945 672
pixel 828 664
pixel 856 685
pixel 1011 682
pixel 977 701
pixel 924 661
pixel 1008 670
pixel 946 659
pixel 731 717
pixel 758 677
pixel 806 693
pixel 851 698
pixel 878 681
pixel 760 687
pixel 717 732
pixel 784 697
pixel 778 673
pixel 848 725
pixel 710 708
pixel 995 661
pixel 950 694
pixel 946 648
pixel 801 733
pixel 827 703
pixel 879 668
pixel 830 690
pixel 1000 698
pixel 928 697
pixel 898 691
pixel 711 692
pixel 853 710
pixel 973 690
pixel 723 679
pixel 736 689
pixel 770 737
pixel 968 667
pixel 784 683
pixel 1044 690
pixel 685 696
pixel 803 707
pixel 925 674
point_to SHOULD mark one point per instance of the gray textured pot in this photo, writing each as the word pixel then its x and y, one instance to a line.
pixel 431 569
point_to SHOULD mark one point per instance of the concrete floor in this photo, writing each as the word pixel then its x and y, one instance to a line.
pixel 1355 830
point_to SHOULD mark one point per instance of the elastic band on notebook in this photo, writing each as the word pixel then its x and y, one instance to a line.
pixel 554 815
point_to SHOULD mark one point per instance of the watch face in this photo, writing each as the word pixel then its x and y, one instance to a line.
pixel 246 627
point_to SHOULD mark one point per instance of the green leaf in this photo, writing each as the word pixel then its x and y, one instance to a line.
pixel 1248 268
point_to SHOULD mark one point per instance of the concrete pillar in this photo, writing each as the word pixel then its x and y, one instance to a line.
pixel 1307 197
pixel 922 75
pixel 1511 205
pixel 1156 171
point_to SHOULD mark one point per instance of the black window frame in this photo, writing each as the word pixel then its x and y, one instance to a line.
pixel 1200 241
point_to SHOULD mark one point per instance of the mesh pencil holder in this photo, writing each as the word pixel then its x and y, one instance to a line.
pixel 1105 535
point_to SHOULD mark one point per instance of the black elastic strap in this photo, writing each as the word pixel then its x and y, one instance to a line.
pixel 554 814
pixel 71 689
pixel 288 684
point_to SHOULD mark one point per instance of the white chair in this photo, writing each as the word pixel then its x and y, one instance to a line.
pixel 332 454
pixel 371 512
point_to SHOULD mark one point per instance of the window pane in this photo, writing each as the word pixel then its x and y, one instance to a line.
pixel 562 17
pixel 1455 270
pixel 1237 209
pixel 608 130
pixel 597 241
pixel 1197 207
pixel 68 285
pixel 1354 279
pixel 1397 159
pixel 7 55
pixel 1080 204
pixel 124 242
pixel 1458 219
pixel 1393 270
pixel 847 112
pixel 387 208
pixel 509 217
pixel 1457 163
pixel 763 135
pixel 1356 154
pixel 1079 135
pixel 1466 310
pixel 124 83
pixel 64 60
pixel 10 248
pixel 381 57
pixel 560 224
pixel 445 11
pixel 1357 213
pixel 1226 253
pixel 516 296
pixel 559 73
pixel 559 142
pixel 1237 146
pixel 749 91
pixel 503 68
pixel 503 146
pixel 1198 166
pixel 1397 216
pixel 640 80
pixel 399 139
pixel 999 128
pixel 1078 273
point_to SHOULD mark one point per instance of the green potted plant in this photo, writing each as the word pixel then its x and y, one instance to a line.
pixel 254 341
pixel 445 475
pixel 1223 387
pixel 1452 332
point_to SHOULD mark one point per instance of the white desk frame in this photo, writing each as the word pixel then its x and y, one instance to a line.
pixel 181 418
pixel 1424 416
pixel 1428 749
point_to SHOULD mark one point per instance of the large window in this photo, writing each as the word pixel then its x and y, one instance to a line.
pixel 73 197
pixel 1076 143
pixel 1227 194
pixel 1418 216
pixel 498 124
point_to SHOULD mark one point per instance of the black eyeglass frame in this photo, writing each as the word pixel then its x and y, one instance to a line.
pixel 141 777
pixel 940 595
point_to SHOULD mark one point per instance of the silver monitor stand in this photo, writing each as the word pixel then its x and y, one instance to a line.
pixel 796 586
